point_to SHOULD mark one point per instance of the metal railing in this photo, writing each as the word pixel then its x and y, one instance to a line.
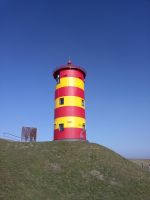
pixel 10 137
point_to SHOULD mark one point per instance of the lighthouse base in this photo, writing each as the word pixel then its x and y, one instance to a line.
pixel 71 140
pixel 71 134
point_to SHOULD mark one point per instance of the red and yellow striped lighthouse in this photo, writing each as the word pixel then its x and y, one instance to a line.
pixel 69 114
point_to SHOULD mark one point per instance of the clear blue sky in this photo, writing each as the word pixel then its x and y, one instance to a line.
pixel 110 39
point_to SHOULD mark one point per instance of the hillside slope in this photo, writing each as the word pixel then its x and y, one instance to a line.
pixel 68 171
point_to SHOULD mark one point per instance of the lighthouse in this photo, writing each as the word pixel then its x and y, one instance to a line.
pixel 69 112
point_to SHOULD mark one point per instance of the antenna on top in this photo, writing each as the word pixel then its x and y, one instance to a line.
pixel 69 61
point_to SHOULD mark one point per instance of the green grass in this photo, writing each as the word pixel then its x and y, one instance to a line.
pixel 68 171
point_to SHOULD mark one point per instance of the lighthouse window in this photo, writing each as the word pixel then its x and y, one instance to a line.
pixel 61 127
pixel 58 79
pixel 61 101
pixel 82 103
pixel 83 127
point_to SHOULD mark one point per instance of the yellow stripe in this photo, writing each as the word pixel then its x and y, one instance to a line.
pixel 70 81
pixel 69 122
pixel 70 101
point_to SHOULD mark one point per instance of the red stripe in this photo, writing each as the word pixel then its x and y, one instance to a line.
pixel 70 133
pixel 69 91
pixel 69 111
pixel 71 73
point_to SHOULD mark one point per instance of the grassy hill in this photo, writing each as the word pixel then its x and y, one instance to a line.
pixel 143 163
pixel 68 171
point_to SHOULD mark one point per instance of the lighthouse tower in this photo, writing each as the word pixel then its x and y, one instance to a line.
pixel 69 114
